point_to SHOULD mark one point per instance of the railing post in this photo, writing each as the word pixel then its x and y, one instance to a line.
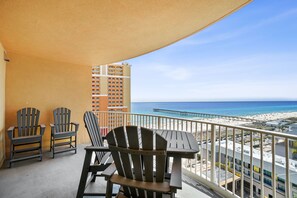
pixel 213 154
pixel 125 119
pixel 159 122
pixel 288 179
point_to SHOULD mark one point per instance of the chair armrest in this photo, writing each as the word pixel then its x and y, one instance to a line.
pixel 76 125
pixel 42 129
pixel 109 171
pixel 96 148
pixel 52 128
pixel 10 131
pixel 176 174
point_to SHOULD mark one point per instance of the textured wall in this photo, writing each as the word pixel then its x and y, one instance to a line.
pixel 2 105
pixel 45 85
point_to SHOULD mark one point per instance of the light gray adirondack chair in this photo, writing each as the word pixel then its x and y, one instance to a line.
pixel 140 161
pixel 63 131
pixel 27 134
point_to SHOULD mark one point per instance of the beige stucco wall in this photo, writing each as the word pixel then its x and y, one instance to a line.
pixel 45 85
pixel 2 105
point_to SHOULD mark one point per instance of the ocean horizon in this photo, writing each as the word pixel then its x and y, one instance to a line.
pixel 235 108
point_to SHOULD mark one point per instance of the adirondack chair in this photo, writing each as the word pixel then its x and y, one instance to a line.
pixel 62 130
pixel 103 158
pixel 140 161
pixel 27 134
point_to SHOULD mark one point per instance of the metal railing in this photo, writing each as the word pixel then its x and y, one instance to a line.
pixel 229 155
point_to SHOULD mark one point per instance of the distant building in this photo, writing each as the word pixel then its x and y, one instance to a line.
pixel 293 129
pixel 280 168
pixel 111 88
pixel 274 123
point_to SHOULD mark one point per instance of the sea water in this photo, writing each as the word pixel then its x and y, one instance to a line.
pixel 223 108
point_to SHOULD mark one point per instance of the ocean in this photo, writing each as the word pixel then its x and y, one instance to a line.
pixel 222 108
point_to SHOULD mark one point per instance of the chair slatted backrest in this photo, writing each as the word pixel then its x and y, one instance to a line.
pixel 137 155
pixel 92 125
pixel 62 119
pixel 27 119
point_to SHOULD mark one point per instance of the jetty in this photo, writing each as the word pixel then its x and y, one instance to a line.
pixel 205 115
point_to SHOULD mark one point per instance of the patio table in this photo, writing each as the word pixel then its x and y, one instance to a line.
pixel 179 143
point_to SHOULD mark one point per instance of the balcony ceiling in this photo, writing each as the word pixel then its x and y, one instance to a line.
pixel 93 32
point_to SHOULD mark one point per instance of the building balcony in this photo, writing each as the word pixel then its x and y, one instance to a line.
pixel 211 168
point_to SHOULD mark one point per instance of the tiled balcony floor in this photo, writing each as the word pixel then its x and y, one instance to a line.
pixel 59 177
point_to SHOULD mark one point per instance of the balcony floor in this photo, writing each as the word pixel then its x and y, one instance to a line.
pixel 59 177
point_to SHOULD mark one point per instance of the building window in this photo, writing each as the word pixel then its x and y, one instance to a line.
pixel 247 165
pixel 280 180
pixel 267 181
pixel 267 173
pixel 256 169
pixel 257 177
pixel 281 188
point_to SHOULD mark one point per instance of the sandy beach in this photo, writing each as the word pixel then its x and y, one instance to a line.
pixel 273 116
pixel 263 117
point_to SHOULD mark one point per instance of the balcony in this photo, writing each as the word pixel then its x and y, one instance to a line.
pixel 273 173
pixel 211 168
pixel 46 62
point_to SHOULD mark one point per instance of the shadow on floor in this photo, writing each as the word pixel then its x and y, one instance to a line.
pixel 59 178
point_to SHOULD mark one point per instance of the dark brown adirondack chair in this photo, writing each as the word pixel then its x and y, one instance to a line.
pixel 63 131
pixel 140 159
pixel 102 160
pixel 27 134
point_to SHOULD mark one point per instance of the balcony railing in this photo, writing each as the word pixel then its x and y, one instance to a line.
pixel 228 155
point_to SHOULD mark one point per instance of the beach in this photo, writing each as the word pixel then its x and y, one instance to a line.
pixel 273 116
pixel 262 117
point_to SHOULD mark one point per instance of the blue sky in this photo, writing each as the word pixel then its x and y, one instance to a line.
pixel 249 55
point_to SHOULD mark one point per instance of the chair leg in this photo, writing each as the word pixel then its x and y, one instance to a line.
pixel 109 189
pixel 84 175
pixel 70 145
pixel 11 154
pixel 93 175
pixel 51 143
pixel 40 150
pixel 75 143
pixel 172 195
pixel 53 147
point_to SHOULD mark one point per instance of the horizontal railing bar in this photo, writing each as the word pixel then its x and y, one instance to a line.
pixel 283 135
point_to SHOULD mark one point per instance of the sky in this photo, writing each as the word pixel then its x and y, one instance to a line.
pixel 249 55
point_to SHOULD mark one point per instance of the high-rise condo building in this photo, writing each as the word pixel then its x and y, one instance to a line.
pixel 111 88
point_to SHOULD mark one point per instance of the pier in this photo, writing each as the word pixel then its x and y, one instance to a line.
pixel 205 115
